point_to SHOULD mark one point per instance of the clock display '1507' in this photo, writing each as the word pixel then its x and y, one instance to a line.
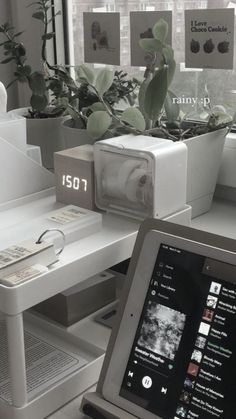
pixel 76 183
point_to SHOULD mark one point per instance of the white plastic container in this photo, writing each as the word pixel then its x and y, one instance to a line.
pixel 13 130
pixel 140 176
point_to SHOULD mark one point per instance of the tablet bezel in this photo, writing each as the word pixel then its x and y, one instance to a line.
pixel 134 306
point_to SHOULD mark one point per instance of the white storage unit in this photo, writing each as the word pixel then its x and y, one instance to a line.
pixel 80 260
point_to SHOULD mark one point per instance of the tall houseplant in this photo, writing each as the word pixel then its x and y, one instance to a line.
pixel 49 87
pixel 158 115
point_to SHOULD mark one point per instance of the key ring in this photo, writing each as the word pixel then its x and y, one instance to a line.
pixel 53 230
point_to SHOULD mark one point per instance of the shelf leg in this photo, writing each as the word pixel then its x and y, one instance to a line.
pixel 16 355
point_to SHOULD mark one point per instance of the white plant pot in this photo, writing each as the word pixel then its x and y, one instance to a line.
pixel 74 137
pixel 45 133
pixel 226 183
pixel 204 160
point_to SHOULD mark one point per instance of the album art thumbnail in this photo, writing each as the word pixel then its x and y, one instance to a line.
pixel 211 301
pixel 189 384
pixel 193 369
pixel 185 397
pixel 196 356
pixel 162 330
pixel 181 411
pixel 204 328
pixel 208 315
pixel 201 342
pixel 215 288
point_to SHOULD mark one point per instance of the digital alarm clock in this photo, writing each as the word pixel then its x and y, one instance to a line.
pixel 140 176
pixel 74 171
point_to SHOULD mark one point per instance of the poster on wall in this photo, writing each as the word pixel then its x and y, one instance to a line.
pixel 102 38
pixel 209 38
pixel 141 24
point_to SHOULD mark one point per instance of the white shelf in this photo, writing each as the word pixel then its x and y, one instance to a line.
pixel 79 261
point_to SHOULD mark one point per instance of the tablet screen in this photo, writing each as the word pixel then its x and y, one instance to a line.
pixel 183 359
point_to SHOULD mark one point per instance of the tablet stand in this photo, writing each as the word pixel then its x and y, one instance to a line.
pixel 107 409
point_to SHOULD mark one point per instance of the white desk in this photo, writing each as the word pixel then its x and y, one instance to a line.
pixel 220 220
pixel 79 261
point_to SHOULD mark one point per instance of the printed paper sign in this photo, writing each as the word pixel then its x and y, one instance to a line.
pixel 67 215
pixel 209 38
pixel 141 24
pixel 102 38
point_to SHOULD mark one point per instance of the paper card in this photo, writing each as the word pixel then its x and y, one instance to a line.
pixel 209 38
pixel 23 275
pixel 102 38
pixel 67 215
pixel 141 24
pixel 21 251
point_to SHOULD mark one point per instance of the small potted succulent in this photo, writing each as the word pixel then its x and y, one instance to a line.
pixel 49 87
pixel 158 114
pixel 115 89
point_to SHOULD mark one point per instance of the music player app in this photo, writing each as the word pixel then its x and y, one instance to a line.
pixel 183 354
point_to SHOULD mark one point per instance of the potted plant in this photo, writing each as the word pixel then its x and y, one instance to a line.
pixel 49 87
pixel 93 88
pixel 158 114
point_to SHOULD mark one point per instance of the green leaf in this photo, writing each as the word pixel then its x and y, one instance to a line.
pixel 38 15
pixel 172 108
pixel 66 78
pixel 151 45
pixel 20 50
pixel 160 30
pixel 97 106
pixel 141 96
pixel 134 117
pixel 24 71
pixel 9 45
pixel 156 94
pixel 98 123
pixel 85 74
pixel 171 71
pixel 7 60
pixel 33 3
pixel 37 83
pixel 18 34
pixel 6 26
pixel 168 53
pixel 56 86
pixel 47 36
pixel 104 81
pixel 39 103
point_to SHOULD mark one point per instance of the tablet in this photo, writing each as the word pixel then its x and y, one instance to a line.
pixel 175 350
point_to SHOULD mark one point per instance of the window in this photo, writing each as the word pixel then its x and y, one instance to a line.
pixel 188 82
